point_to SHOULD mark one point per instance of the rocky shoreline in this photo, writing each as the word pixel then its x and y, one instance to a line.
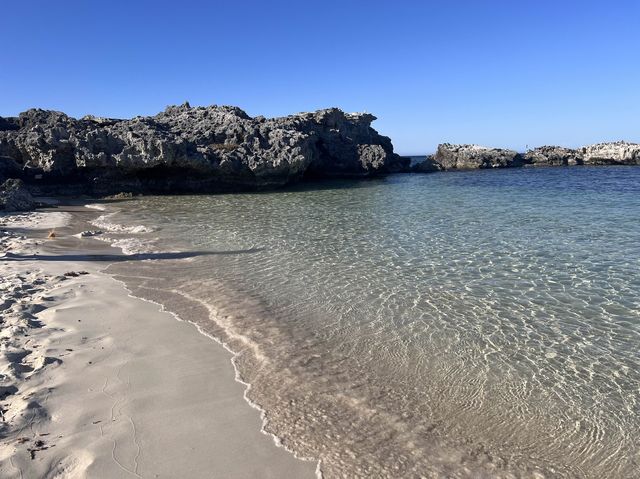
pixel 189 149
pixel 222 149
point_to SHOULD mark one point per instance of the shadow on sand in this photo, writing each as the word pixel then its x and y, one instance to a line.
pixel 122 257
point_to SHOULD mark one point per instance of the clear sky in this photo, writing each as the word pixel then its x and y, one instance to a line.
pixel 499 73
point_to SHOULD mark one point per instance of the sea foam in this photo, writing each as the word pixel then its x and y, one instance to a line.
pixel 104 222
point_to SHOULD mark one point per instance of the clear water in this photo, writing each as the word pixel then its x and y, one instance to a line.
pixel 463 324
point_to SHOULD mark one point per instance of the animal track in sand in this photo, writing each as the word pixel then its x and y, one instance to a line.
pixel 119 398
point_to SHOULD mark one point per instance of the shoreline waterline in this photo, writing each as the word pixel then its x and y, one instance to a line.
pixel 78 449
pixel 237 375
pixel 315 359
pixel 400 328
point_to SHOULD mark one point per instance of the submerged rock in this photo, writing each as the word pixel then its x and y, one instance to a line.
pixel 14 196
pixel 192 148
pixel 553 156
pixel 468 157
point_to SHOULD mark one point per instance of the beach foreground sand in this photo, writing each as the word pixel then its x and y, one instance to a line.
pixel 96 383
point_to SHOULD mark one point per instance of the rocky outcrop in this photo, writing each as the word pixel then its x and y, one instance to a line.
pixel 14 196
pixel 616 153
pixel 469 157
pixel 189 148
pixel 427 165
pixel 221 148
pixel 553 156
pixel 466 157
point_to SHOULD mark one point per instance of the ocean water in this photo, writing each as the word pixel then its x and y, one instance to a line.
pixel 462 324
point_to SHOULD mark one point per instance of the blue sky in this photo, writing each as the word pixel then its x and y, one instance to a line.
pixel 499 73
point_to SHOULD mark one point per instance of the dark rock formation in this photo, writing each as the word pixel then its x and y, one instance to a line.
pixel 191 149
pixel 468 157
pixel 553 156
pixel 427 165
pixel 14 196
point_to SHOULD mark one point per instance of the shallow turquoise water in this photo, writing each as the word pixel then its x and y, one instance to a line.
pixel 469 324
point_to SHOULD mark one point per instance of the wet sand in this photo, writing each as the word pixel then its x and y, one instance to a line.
pixel 96 383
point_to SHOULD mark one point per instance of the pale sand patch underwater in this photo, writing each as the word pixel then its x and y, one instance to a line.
pixel 97 383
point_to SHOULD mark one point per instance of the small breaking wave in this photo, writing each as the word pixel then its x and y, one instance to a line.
pixel 96 206
pixel 132 246
pixel 117 234
pixel 105 224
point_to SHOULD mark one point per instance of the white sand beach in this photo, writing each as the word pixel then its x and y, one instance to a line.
pixel 96 383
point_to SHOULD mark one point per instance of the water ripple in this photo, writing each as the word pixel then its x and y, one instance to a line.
pixel 480 324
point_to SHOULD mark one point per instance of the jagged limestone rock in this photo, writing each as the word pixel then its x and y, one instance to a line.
pixel 615 153
pixel 468 157
pixel 553 156
pixel 193 148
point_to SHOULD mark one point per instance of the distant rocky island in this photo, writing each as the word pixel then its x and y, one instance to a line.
pixel 221 148
pixel 470 157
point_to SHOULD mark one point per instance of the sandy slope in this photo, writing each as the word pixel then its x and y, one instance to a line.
pixel 95 383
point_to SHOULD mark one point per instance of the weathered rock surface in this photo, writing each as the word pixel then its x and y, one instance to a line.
pixel 468 157
pixel 616 153
pixel 465 157
pixel 189 148
pixel 14 196
pixel 553 156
